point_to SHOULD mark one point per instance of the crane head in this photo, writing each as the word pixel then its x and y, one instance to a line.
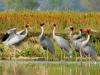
pixel 54 24
pixel 71 27
pixel 89 29
pixel 42 23
pixel 82 31
pixel 27 25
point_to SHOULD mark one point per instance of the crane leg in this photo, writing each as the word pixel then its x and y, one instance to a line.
pixel 44 56
pixel 61 56
pixel 81 57
pixel 81 71
pixel 95 62
pixel 61 69
pixel 64 56
pixel 76 71
pixel 65 69
pixel 76 58
pixel 47 55
pixel 87 60
pixel 10 51
pixel 14 69
pixel 44 69
pixel 15 53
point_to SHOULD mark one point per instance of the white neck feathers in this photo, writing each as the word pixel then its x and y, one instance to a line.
pixel 84 43
pixel 71 36
pixel 42 32
pixel 54 31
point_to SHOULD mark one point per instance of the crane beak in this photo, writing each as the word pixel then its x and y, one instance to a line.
pixel 30 27
pixel 93 30
pixel 67 28
pixel 47 24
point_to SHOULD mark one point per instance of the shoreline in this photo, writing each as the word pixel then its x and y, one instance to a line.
pixel 41 58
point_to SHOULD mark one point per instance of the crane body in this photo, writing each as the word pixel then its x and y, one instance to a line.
pixel 46 43
pixel 89 49
pixel 62 43
pixel 13 38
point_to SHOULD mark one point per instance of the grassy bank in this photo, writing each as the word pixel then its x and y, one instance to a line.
pixel 30 47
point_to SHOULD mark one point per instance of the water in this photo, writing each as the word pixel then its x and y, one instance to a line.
pixel 50 68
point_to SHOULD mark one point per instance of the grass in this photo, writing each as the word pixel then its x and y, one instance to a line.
pixel 62 20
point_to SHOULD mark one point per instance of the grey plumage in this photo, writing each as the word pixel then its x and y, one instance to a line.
pixel 62 43
pixel 76 37
pixel 79 37
pixel 76 40
pixel 46 43
pixel 89 49
pixel 83 45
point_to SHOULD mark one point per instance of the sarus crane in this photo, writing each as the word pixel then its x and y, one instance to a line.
pixel 62 43
pixel 13 38
pixel 89 49
pixel 46 43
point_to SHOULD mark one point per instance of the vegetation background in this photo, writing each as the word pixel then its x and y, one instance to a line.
pixel 77 13
pixel 51 5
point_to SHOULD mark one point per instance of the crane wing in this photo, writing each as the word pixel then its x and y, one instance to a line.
pixel 47 44
pixel 21 32
pixel 9 34
pixel 16 40
pixel 11 31
pixel 82 39
pixel 75 37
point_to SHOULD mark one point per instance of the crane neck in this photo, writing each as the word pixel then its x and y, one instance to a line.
pixel 71 36
pixel 84 43
pixel 26 32
pixel 88 38
pixel 80 33
pixel 54 31
pixel 42 31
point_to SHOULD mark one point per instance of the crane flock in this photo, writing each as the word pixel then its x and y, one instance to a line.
pixel 79 43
